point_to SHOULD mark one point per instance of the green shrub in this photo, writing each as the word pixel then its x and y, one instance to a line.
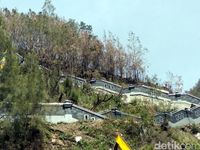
pixel 195 129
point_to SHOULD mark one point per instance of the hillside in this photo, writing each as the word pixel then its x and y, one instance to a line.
pixel 38 53
pixel 72 47
pixel 101 135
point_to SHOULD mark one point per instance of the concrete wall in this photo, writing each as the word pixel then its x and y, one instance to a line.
pixel 180 118
pixel 65 118
pixel 156 96
pixel 56 113
pixel 179 101
pixel 108 86
pixel 184 100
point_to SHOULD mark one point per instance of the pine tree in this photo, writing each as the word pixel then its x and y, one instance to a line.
pixel 22 88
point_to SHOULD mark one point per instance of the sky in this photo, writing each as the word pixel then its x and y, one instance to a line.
pixel 169 29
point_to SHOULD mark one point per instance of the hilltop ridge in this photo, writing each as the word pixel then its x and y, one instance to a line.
pixel 46 60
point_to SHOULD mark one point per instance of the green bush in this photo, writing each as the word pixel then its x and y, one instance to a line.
pixel 22 135
pixel 195 129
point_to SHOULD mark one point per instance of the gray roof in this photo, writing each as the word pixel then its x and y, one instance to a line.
pixel 78 78
pixel 111 83
pixel 153 88
pixel 184 94
pixel 89 111
pixel 123 113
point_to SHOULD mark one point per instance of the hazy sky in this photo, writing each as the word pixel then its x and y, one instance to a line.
pixel 168 28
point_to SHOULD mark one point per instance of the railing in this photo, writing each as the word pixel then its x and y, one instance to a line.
pixel 179 118
pixel 139 88
pixel 188 115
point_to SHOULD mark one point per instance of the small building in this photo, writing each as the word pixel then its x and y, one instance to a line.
pixel 106 86
pixel 67 112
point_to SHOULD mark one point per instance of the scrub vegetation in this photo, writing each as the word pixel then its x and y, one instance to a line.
pixel 51 46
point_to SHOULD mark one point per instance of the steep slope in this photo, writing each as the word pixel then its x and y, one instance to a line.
pixel 101 135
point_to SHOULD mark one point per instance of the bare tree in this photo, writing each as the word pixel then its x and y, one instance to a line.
pixel 174 82
pixel 136 55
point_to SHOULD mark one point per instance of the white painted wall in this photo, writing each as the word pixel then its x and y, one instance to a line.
pixel 128 97
pixel 179 104
pixel 67 118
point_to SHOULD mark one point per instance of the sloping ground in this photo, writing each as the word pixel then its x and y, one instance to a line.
pixel 100 135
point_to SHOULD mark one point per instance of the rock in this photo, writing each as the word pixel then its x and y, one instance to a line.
pixel 78 138
pixel 53 141
pixel 197 136
pixel 59 142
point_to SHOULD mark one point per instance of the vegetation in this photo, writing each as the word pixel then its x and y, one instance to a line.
pixel 72 47
pixel 101 135
pixel 196 89
pixel 21 89
pixel 52 46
